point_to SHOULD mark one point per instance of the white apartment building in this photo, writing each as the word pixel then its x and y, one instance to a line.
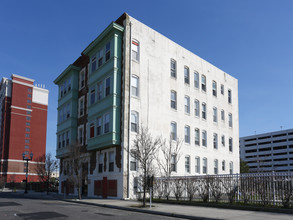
pixel 268 152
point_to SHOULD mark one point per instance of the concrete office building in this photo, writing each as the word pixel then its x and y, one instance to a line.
pixel 23 126
pixel 131 75
pixel 268 152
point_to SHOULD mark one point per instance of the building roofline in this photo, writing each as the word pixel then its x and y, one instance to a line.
pixel 22 77
pixel 267 133
pixel 70 67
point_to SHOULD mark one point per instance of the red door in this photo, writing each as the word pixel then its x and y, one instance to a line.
pixel 105 187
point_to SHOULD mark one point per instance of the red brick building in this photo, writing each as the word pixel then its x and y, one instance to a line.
pixel 23 124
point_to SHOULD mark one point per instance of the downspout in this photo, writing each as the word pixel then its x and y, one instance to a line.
pixel 129 115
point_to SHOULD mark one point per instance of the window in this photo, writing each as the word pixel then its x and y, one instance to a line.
pixel 29 101
pixel 173 163
pixel 187 134
pixel 99 126
pixel 65 87
pixel 134 85
pixel 108 51
pixel 29 90
pixel 231 144
pixel 92 130
pixel 196 137
pixel 196 80
pixel 82 78
pixel 230 120
pixel 80 134
pixel 100 91
pixel 111 161
pixel 93 95
pixel 203 83
pixel 134 121
pixel 229 96
pixel 204 165
pixel 63 140
pixel 67 137
pixel 215 166
pixel 173 99
pixel 204 138
pixel 133 163
pixel 173 131
pixel 64 113
pixel 101 157
pixel 135 50
pixel 60 141
pixel 94 63
pixel 215 114
pixel 28 118
pixel 29 106
pixel 215 141
pixel 173 68
pixel 214 88
pixel 27 124
pixel 60 115
pixel 222 89
pixel 197 165
pixel 106 123
pixel 222 115
pixel 27 147
pixel 107 86
pixel 187 164
pixel 68 111
pixel 196 108
pixel 186 75
pixel 231 167
pixel 203 111
pixel 69 84
pixel 27 129
pixel 81 106
pixel 27 135
pixel 223 140
pixel 223 165
pixel 187 104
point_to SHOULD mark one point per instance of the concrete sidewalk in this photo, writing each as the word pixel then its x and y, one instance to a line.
pixel 179 211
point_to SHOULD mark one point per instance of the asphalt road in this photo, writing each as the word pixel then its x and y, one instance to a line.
pixel 13 206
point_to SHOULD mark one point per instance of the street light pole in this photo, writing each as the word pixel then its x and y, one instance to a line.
pixel 26 175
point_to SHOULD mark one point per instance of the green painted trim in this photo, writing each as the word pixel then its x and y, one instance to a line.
pixel 60 77
pixel 112 26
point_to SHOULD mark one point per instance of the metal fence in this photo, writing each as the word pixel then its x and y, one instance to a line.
pixel 252 188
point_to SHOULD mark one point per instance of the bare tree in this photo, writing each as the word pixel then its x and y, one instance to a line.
pixel 178 188
pixel 45 167
pixel 144 151
pixel 76 160
pixel 171 154
pixel 191 187
pixel 216 188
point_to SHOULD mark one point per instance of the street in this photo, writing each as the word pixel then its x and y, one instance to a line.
pixel 16 206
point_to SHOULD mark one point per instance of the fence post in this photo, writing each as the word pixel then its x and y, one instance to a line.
pixel 274 192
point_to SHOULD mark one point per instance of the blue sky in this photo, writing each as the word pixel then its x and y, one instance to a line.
pixel 251 40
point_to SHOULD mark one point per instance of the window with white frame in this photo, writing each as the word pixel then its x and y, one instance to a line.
pixel 173 163
pixel 81 106
pixel 231 167
pixel 223 165
pixel 214 88
pixel 222 115
pixel 173 68
pixel 215 141
pixel 187 134
pixel 187 164
pixel 99 126
pixel 101 162
pixel 230 120
pixel 107 86
pixel 173 99
pixel 106 123
pixel 204 138
pixel 134 121
pixel 135 50
pixel 203 111
pixel 100 57
pixel 111 161
pixel 67 137
pixel 187 104
pixel 100 91
pixel 92 129
pixel 68 110
pixel 186 75
pixel 196 79
pixel 229 96
pixel 173 131
pixel 215 166
pixel 203 83
pixel 134 85
pixel 196 137
pixel 60 141
pixel 197 165
pixel 215 114
pixel 133 163
pixel 82 78
pixel 204 165
pixel 196 108
pixel 223 140
pixel 231 144
pixel 108 51
pixel 94 63
pixel 93 95
pixel 222 89
pixel 80 135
